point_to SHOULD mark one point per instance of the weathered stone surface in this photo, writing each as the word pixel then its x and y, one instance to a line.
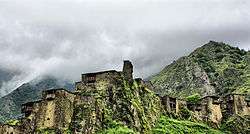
pixel 9 129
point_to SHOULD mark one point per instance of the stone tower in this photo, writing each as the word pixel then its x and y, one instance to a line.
pixel 128 70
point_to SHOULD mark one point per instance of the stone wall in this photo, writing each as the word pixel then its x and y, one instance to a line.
pixel 101 80
pixel 235 104
pixel 214 109
pixel 211 110
pixel 128 70
pixel 53 111
pixel 9 129
pixel 113 97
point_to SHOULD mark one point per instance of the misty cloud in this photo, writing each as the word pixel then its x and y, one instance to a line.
pixel 65 38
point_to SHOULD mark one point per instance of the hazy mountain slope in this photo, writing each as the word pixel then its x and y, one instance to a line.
pixel 212 68
pixel 5 76
pixel 10 104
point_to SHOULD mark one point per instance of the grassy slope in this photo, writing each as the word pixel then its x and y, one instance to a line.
pixel 173 126
pixel 166 125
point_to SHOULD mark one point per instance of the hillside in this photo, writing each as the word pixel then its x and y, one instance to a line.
pixel 215 68
pixel 10 104
pixel 5 76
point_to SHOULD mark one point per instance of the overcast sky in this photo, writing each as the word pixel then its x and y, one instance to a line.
pixel 65 38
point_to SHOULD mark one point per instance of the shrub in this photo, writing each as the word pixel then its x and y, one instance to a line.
pixel 193 98
pixel 117 128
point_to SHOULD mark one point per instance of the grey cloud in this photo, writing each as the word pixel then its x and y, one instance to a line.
pixel 66 38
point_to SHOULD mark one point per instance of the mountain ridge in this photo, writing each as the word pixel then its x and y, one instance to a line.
pixel 206 71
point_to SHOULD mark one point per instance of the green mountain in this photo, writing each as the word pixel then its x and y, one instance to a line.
pixel 10 104
pixel 215 68
pixel 5 76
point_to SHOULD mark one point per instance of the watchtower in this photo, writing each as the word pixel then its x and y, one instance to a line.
pixel 128 70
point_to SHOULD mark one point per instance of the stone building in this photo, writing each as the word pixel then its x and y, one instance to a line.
pixel 94 92
pixel 207 109
pixel 102 96
pixel 54 110
pixel 102 80
pixel 211 109
pixel 214 109
pixel 128 70
pixel 171 104
pixel 235 104
pixel 109 95
pixel 83 109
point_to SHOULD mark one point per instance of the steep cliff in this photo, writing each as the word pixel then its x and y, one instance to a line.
pixel 215 68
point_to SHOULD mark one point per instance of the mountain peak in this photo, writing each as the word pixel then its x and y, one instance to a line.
pixel 215 67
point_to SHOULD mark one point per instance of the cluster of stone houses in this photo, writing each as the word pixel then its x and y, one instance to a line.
pixel 210 108
pixel 57 106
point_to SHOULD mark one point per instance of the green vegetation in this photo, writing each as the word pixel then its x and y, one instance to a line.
pixel 122 106
pixel 193 98
pixel 47 131
pixel 12 122
pixel 129 107
pixel 237 124
pixel 212 68
pixel 185 114
pixel 225 65
pixel 167 125
pixel 117 128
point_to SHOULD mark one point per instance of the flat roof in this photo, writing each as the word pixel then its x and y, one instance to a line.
pixel 101 72
pixel 211 96
pixel 58 89
pixel 236 94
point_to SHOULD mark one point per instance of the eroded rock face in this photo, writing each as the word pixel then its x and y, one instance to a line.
pixel 182 78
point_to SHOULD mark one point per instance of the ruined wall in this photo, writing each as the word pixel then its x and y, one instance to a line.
pixel 234 104
pixel 213 110
pixel 54 111
pixel 128 70
pixel 91 100
pixel 240 105
pixel 8 129
pixel 172 105
pixel 180 104
pixel 101 81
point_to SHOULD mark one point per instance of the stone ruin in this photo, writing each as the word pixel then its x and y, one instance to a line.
pixel 211 109
pixel 56 107
pixel 60 109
